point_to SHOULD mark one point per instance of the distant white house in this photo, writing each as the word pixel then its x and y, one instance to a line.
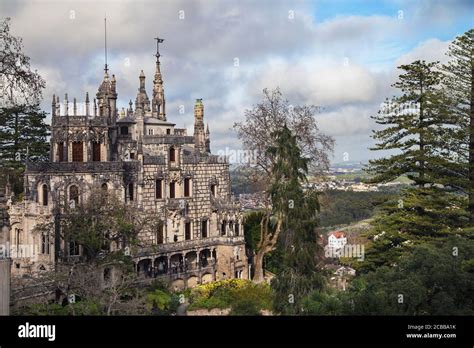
pixel 337 240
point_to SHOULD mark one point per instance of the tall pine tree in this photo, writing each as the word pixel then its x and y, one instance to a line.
pixel 417 125
pixel 412 123
pixel 458 87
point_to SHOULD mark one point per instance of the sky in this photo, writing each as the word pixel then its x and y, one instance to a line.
pixel 341 55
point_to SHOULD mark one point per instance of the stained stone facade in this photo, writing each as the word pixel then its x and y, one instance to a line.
pixel 148 162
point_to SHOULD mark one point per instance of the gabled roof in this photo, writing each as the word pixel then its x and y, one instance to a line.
pixel 337 234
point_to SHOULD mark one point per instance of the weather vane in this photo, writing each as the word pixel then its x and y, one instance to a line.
pixel 158 41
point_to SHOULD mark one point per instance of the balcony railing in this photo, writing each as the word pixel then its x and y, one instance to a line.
pixel 188 244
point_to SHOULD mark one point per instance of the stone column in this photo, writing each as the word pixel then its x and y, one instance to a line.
pixel 5 286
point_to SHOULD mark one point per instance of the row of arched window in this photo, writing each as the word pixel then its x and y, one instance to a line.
pixel 73 194
pixel 78 151
pixel 73 191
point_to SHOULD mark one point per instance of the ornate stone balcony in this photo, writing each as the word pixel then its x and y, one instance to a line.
pixel 187 245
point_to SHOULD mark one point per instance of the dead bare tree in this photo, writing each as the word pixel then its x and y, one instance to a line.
pixel 255 132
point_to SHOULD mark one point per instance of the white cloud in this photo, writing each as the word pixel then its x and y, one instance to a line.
pixel 429 50
pixel 303 56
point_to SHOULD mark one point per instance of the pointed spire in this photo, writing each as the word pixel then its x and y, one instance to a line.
pixel 74 107
pixel 58 106
pixel 87 103
pixel 95 108
pixel 66 105
pixel 207 128
pixel 53 106
pixel 158 100
pixel 106 68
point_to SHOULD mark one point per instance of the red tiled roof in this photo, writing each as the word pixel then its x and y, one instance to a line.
pixel 338 234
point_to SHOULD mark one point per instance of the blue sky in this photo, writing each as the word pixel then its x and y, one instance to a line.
pixel 342 55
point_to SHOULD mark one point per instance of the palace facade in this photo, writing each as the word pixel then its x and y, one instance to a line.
pixel 149 163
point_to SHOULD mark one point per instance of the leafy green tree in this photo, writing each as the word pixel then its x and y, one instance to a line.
pixel 418 216
pixel 296 211
pixel 436 278
pixel 23 131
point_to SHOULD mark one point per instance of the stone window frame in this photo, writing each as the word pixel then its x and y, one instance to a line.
pixel 213 182
pixel 186 222
pixel 190 177
pixel 208 225
pixel 130 197
pixel 45 243
pixel 172 159
pixel 174 182
pixel 40 193
pixel 160 176
pixel 161 226
pixel 68 193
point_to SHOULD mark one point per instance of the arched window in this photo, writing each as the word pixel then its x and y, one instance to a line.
pixel 213 190
pixel 172 154
pixel 74 194
pixel 104 186
pixel 44 191
pixel 124 130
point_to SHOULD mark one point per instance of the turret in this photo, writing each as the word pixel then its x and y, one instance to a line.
pixel 199 135
pixel 107 98
pixel 142 103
